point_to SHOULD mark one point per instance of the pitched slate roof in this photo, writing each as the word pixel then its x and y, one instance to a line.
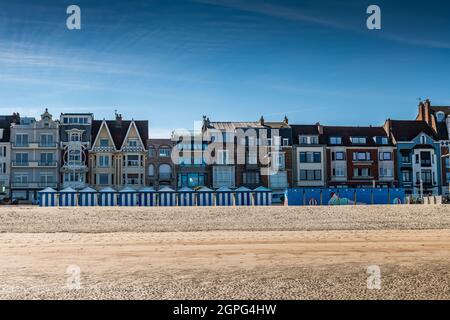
pixel 5 126
pixel 303 129
pixel 119 129
pixel 347 132
pixel 441 127
pixel 407 130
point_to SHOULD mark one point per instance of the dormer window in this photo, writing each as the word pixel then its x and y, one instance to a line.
pixel 335 140
pixel 440 116
pixel 423 139
pixel 358 140
pixel 381 140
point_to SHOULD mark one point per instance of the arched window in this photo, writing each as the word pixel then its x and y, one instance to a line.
pixel 151 152
pixel 151 170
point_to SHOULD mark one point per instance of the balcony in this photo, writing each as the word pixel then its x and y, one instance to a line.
pixel 34 164
pixel 33 185
pixel 34 145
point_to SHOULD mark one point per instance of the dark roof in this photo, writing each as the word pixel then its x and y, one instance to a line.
pixel 231 126
pixel 347 132
pixel 5 124
pixel 444 109
pixel 406 130
pixel 119 129
pixel 441 127
pixel 160 142
pixel 303 129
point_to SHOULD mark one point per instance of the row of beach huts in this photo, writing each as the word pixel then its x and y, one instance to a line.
pixel 148 197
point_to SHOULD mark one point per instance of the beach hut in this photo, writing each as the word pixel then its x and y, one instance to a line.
pixel 224 197
pixel 167 197
pixel 107 197
pixel 47 197
pixel 263 196
pixel 88 197
pixel 243 196
pixel 186 197
pixel 147 197
pixel 127 197
pixel 205 197
pixel 68 197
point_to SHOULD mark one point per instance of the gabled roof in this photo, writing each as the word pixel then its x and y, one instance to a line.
pixel 68 190
pixel 224 189
pixel 166 189
pixel 407 130
pixel 303 129
pixel 88 190
pixel 119 129
pixel 204 189
pixel 132 125
pixel 107 189
pixel 243 189
pixel 185 189
pixel 48 190
pixel 147 189
pixel 127 189
pixel 262 189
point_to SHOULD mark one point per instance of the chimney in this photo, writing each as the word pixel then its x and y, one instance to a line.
pixel 261 120
pixel 319 128
pixel 427 111
pixel 118 119
pixel 15 118
pixel 388 128
pixel 286 120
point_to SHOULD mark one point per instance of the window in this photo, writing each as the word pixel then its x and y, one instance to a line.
pixel 223 177
pixel 338 172
pixel 46 158
pixel 303 139
pixel 74 157
pixel 151 152
pixel 165 171
pixel 425 159
pixel 75 136
pixel 250 177
pixel 285 142
pixel 191 180
pixel 423 139
pixel 252 158
pixel 46 140
pixel 3 152
pixel 133 142
pixel 406 176
pixel 46 179
pixel 278 180
pixel 427 177
pixel 73 177
pixel 133 161
pixel 151 170
pixel 310 157
pixel 103 178
pixel 223 157
pixel 335 140
pixel 361 172
pixel 358 140
pixel 132 179
pixel 22 139
pixel 386 172
pixel 405 157
pixel 103 161
pixel 104 143
pixel 278 160
pixel 385 156
pixel 338 156
pixel 21 178
pixel 310 175
pixel 269 142
pixel 440 116
pixel 381 140
pixel 164 152
pixel 362 156
pixel 22 159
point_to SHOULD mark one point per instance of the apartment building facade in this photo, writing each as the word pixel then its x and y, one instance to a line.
pixel 75 131
pixel 419 156
pixel 160 167
pixel 190 160
pixel 309 156
pixel 118 153
pixel 5 153
pixel 359 157
pixel 35 156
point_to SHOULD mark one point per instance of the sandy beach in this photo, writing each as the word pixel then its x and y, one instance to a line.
pixel 225 253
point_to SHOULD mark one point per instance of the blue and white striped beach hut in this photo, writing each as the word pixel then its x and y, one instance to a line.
pixel 128 197
pixel 186 197
pixel 107 197
pixel 68 197
pixel 205 197
pixel 224 197
pixel 243 196
pixel 48 197
pixel 88 197
pixel 263 196
pixel 167 197
pixel 147 197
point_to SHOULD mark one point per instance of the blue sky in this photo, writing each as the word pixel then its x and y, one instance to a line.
pixel 173 61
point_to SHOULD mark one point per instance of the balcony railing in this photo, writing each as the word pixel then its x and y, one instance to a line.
pixel 34 163
pixel 39 184
pixel 36 144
